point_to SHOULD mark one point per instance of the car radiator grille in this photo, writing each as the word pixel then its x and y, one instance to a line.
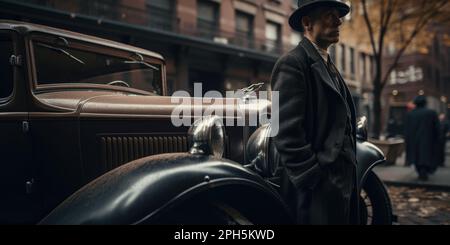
pixel 118 150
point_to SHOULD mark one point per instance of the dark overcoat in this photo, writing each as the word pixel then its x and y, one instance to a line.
pixel 422 137
pixel 313 118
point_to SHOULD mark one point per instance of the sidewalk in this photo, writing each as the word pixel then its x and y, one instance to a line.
pixel 399 175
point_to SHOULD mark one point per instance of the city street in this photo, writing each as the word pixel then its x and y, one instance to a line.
pixel 420 206
pixel 418 202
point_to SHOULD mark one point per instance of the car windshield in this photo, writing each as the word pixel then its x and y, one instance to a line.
pixel 60 61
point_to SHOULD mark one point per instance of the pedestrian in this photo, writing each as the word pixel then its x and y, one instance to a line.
pixel 422 138
pixel 444 127
pixel 317 130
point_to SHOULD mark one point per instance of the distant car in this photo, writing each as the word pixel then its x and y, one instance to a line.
pixel 87 138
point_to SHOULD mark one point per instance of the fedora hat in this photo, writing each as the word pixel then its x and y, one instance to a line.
pixel 304 6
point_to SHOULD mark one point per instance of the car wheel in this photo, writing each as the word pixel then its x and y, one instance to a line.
pixel 375 204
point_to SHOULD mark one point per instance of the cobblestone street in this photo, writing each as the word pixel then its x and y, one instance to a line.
pixel 420 206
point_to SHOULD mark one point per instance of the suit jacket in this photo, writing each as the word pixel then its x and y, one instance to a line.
pixel 312 113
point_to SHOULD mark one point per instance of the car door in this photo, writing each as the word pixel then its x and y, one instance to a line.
pixel 16 205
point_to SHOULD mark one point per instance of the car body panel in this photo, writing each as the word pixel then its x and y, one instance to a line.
pixel 368 156
pixel 127 194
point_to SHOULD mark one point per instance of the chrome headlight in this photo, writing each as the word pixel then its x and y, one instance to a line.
pixel 260 154
pixel 207 137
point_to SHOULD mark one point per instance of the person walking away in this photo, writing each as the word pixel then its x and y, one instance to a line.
pixel 422 138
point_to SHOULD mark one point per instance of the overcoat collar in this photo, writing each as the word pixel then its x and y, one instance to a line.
pixel 319 64
pixel 321 70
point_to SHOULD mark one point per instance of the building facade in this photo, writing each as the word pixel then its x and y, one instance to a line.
pixel 419 72
pixel 224 44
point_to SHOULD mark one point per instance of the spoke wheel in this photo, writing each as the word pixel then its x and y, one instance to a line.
pixel 375 204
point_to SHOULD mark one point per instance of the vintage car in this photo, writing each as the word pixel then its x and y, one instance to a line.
pixel 87 138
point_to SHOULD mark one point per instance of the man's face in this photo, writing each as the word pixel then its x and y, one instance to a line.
pixel 323 25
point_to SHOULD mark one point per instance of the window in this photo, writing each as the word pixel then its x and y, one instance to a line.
pixel 391 48
pixel 102 9
pixel 362 67
pixel 6 72
pixel 343 59
pixel 296 38
pixel 352 62
pixel 273 34
pixel 161 14
pixel 208 18
pixel 244 29
pixel 61 61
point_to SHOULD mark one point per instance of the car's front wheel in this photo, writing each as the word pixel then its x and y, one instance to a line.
pixel 375 204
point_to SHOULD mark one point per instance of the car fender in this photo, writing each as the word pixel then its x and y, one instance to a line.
pixel 368 156
pixel 137 192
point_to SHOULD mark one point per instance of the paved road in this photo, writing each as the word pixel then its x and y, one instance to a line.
pixel 401 175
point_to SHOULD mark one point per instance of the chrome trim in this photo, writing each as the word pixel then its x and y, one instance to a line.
pixel 361 129
pixel 258 152
pixel 207 137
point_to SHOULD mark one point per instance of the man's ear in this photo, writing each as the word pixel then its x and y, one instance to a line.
pixel 306 23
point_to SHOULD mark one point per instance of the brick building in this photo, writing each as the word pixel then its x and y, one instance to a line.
pixel 419 72
pixel 226 44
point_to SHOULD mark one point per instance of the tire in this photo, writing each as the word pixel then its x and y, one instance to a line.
pixel 375 204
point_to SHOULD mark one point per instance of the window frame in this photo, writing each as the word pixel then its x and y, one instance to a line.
pixel 352 62
pixel 276 43
pixel 152 8
pixel 90 47
pixel 204 26
pixel 245 38
pixel 7 99
pixel 215 8
pixel 249 18
pixel 343 59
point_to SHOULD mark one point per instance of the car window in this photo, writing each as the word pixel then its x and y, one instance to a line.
pixel 64 62
pixel 6 69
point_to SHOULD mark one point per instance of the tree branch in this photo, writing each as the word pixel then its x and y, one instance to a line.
pixel 426 17
pixel 369 27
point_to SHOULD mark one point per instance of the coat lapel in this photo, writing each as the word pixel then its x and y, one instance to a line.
pixel 350 101
pixel 319 67
pixel 321 71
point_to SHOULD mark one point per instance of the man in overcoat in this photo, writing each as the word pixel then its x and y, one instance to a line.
pixel 317 132
pixel 422 138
